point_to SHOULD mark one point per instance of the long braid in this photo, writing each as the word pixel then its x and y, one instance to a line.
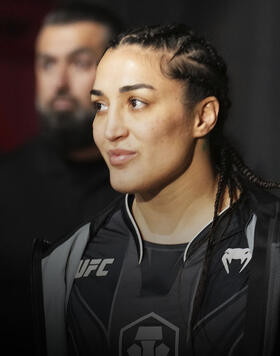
pixel 248 174
pixel 222 184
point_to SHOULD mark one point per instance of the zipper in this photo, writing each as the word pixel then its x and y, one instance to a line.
pixel 38 316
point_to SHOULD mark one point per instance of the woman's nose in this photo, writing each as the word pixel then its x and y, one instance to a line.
pixel 115 126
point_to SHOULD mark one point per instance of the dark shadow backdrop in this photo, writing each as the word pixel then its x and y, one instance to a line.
pixel 246 34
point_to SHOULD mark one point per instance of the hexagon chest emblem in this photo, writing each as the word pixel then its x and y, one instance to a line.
pixel 150 335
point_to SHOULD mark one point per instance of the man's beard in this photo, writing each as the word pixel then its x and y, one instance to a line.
pixel 66 131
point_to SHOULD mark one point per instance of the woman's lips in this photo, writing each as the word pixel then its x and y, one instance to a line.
pixel 119 157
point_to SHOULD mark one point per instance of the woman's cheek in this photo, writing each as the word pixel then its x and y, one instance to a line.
pixel 97 133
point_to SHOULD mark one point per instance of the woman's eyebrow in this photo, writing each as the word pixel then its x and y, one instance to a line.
pixel 124 89
pixel 134 87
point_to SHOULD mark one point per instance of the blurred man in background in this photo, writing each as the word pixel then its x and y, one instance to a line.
pixel 58 180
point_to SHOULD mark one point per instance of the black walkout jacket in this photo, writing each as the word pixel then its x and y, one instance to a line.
pixel 54 268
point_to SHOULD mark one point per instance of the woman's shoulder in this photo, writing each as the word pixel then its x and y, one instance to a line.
pixel 263 201
pixel 83 231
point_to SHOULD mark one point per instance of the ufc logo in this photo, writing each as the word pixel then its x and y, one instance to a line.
pixel 98 265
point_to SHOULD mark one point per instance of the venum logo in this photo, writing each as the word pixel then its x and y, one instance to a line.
pixel 242 254
pixel 97 264
pixel 150 335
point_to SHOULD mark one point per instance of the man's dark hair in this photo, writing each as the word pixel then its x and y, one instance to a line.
pixel 196 63
pixel 84 11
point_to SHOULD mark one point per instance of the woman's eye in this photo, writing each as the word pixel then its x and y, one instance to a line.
pixel 99 107
pixel 137 104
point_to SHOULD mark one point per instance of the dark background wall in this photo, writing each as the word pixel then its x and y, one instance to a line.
pixel 19 23
pixel 245 32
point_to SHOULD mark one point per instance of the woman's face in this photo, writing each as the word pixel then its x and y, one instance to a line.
pixel 141 126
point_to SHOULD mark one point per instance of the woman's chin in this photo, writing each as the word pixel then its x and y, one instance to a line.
pixel 126 184
pixel 121 185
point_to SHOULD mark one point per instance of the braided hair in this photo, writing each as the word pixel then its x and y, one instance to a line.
pixel 196 63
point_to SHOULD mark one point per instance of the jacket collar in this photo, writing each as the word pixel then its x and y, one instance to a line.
pixel 234 227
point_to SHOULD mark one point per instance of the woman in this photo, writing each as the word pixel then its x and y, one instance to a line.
pixel 167 270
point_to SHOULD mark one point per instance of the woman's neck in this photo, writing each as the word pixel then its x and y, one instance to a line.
pixel 182 209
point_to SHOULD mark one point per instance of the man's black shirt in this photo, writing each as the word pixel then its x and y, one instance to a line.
pixel 45 196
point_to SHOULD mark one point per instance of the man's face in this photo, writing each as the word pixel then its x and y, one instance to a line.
pixel 66 57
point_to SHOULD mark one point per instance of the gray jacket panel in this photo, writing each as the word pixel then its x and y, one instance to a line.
pixel 58 273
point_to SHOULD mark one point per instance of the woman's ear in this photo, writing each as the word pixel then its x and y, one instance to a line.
pixel 205 116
